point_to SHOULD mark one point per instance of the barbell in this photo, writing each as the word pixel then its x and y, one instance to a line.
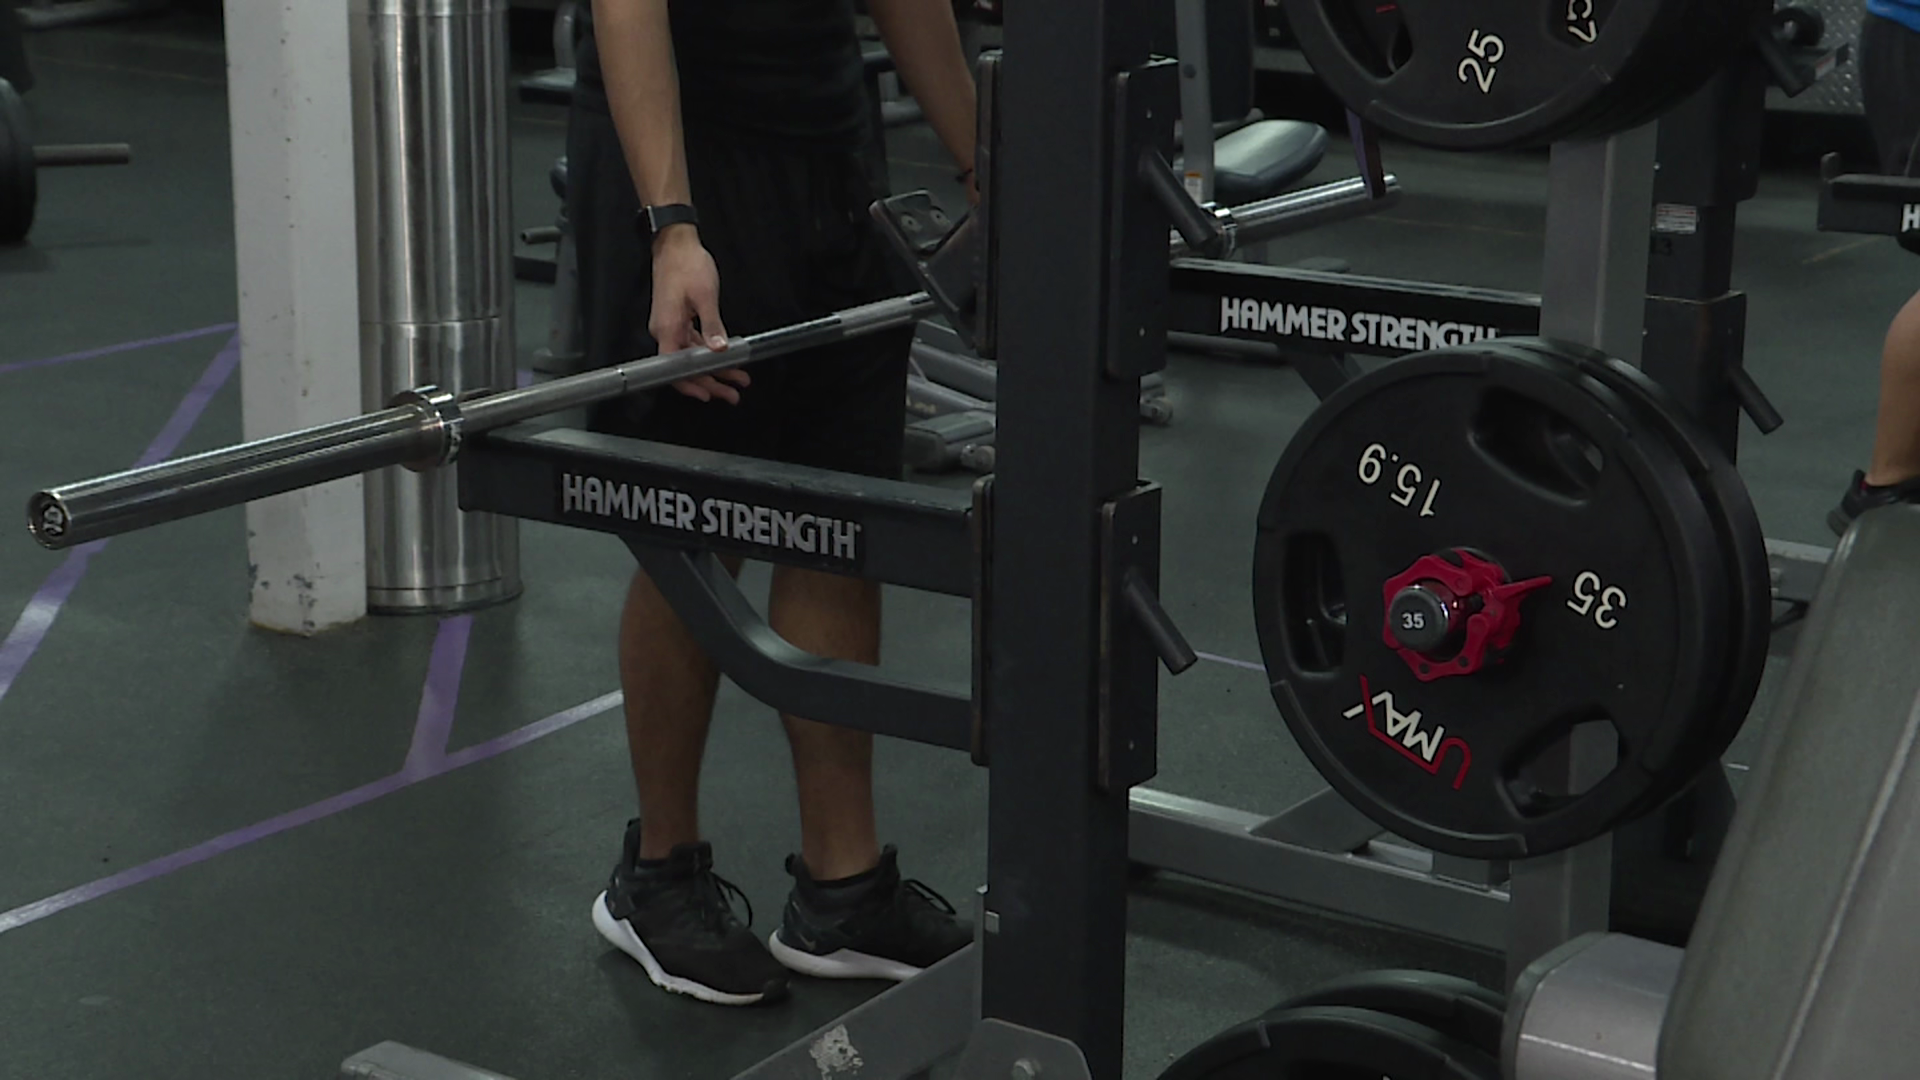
pixel 423 427
pixel 20 161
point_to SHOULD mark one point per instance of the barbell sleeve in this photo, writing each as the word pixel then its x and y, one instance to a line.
pixel 55 157
pixel 1297 211
pixel 171 490
pixel 423 429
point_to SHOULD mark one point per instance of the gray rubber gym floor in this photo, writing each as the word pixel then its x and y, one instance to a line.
pixel 212 860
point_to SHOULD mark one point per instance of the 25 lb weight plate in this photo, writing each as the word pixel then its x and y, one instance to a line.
pixel 1463 557
pixel 1473 76
pixel 1332 1043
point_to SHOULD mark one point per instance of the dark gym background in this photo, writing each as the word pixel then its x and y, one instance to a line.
pixel 451 914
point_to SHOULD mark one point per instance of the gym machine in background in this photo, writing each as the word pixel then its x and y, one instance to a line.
pixel 1227 154
pixel 555 84
pixel 1869 203
pixel 21 160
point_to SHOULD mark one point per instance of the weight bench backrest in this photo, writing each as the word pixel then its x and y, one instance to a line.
pixel 1805 963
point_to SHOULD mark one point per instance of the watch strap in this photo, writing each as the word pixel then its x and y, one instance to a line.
pixel 653 219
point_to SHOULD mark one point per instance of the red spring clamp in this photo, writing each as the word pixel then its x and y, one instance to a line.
pixel 1437 603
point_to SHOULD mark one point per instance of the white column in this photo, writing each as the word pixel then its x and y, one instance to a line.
pixel 290 100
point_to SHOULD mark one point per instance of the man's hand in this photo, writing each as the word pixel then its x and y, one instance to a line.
pixel 686 310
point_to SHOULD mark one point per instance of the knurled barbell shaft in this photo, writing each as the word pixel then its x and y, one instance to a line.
pixel 419 430
pixel 72 154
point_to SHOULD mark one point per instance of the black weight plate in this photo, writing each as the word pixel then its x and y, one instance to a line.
pixel 18 188
pixel 1706 726
pixel 1743 554
pixel 1332 1043
pixel 1455 1007
pixel 1734 517
pixel 1706 35
pixel 1727 554
pixel 1660 71
pixel 1476 76
pixel 1509 443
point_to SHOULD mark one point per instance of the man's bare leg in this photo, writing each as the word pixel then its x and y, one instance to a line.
pixel 1896 441
pixel 836 617
pixel 669 686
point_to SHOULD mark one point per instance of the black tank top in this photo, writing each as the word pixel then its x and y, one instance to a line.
pixel 784 69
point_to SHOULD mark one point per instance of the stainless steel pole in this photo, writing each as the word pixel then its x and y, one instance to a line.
pixel 436 281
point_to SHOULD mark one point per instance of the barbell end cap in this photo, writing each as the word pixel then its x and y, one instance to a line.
pixel 49 521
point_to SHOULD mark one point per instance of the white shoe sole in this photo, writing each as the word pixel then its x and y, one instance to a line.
pixel 842 964
pixel 622 937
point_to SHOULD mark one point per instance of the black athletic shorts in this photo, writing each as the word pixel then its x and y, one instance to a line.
pixel 1890 92
pixel 790 231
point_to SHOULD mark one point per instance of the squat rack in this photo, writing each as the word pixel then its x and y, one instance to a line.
pixel 1083 307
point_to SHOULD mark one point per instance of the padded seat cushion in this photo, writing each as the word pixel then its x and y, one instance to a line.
pixel 1264 159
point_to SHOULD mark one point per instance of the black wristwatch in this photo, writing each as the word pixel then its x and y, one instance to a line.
pixel 653 219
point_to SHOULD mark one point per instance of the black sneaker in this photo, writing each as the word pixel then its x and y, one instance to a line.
pixel 1862 497
pixel 676 918
pixel 872 926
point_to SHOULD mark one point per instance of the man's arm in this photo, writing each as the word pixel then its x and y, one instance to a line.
pixel 925 44
pixel 635 42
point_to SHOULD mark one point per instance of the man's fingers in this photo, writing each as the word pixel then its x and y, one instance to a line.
pixel 713 331
pixel 672 335
pixel 717 390
pixel 708 388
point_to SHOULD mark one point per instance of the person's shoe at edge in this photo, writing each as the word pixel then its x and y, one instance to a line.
pixel 675 916
pixel 874 925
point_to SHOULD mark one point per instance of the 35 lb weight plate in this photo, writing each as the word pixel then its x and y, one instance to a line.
pixel 1462 558
pixel 1736 522
pixel 1332 1043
